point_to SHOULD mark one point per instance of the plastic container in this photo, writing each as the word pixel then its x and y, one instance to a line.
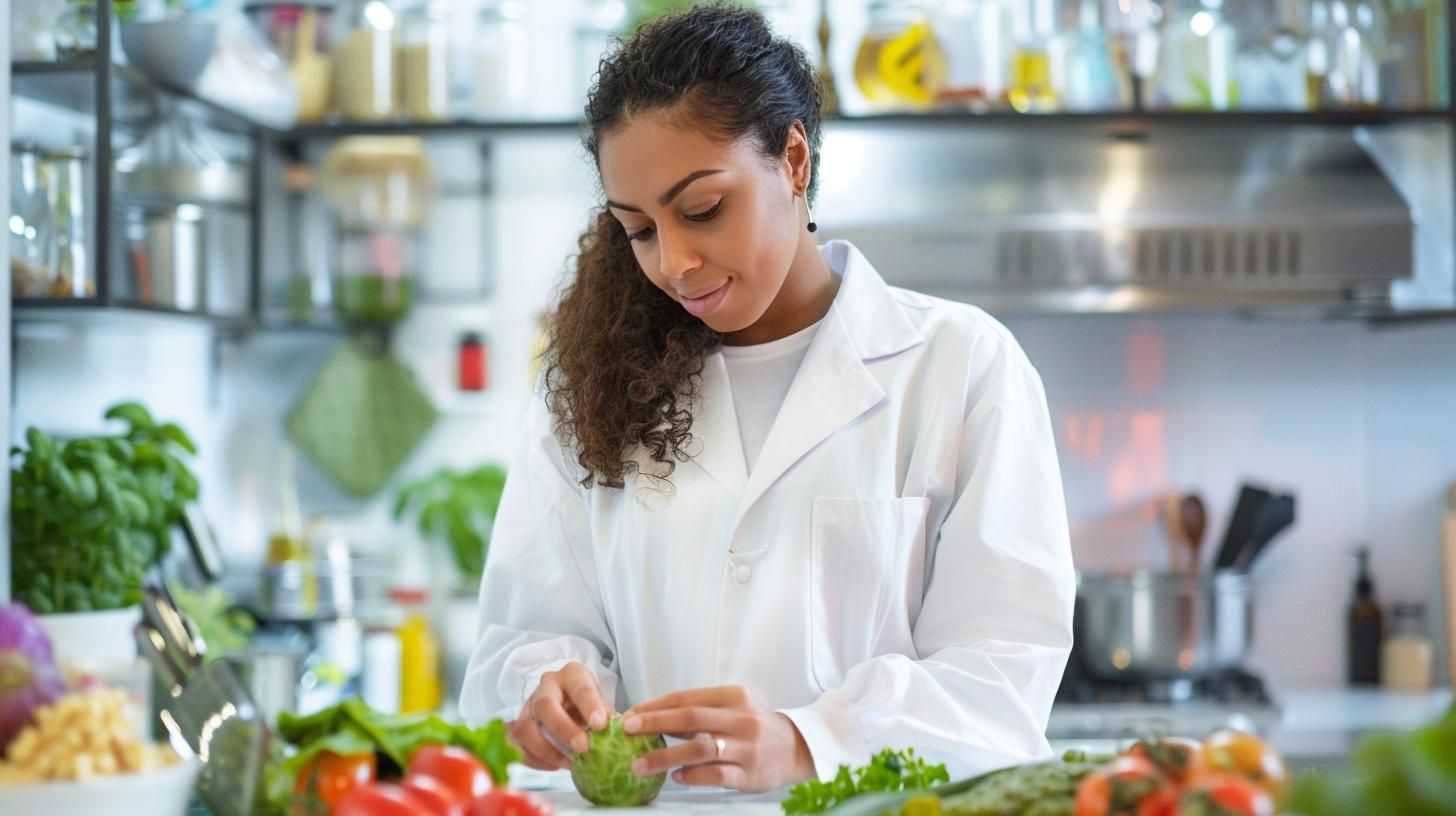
pixel 419 649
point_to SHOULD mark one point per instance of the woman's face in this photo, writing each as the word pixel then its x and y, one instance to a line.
pixel 714 225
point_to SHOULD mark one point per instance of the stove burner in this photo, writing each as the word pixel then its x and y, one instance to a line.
pixel 1232 687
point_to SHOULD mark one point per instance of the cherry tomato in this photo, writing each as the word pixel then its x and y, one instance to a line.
pixel 430 792
pixel 1226 795
pixel 380 800
pixel 456 768
pixel 329 777
pixel 1247 756
pixel 1179 758
pixel 507 802
pixel 1127 785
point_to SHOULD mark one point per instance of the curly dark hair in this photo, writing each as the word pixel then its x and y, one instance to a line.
pixel 624 360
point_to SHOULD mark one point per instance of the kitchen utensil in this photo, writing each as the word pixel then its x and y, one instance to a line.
pixel 1170 518
pixel 1273 516
pixel 207 707
pixel 1240 524
pixel 1161 625
pixel 174 51
pixel 1195 520
pixel 202 544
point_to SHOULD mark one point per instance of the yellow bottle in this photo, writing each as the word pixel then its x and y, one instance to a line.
pixel 288 546
pixel 419 654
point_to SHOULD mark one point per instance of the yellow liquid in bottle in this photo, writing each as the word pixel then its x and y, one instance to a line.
pixel 419 666
pixel 899 68
pixel 1031 81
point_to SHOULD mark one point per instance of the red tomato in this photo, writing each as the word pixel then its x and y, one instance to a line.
pixel 456 768
pixel 434 795
pixel 1127 785
pixel 1248 756
pixel 380 800
pixel 507 802
pixel 329 777
pixel 1226 795
pixel 1179 758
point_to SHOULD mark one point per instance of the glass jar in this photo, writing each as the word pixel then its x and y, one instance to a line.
pixel 1271 69
pixel 900 63
pixel 366 82
pixel 1407 656
pixel 31 243
pixel 502 57
pixel 1196 66
pixel 65 172
pixel 378 189
pixel 425 62
pixel 1132 26
pixel 1084 76
pixel 1033 26
pixel 309 292
pixel 596 35
pixel 31 24
pixel 975 33
pixel 75 30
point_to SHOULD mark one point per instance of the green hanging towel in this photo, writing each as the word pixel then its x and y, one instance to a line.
pixel 361 416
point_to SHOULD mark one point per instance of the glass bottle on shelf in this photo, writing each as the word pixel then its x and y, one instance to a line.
pixel 502 59
pixel 1355 36
pixel 424 62
pixel 65 173
pixel 1417 30
pixel 1132 26
pixel 31 241
pixel 1271 71
pixel 366 81
pixel 594 37
pixel 974 33
pixel 1084 77
pixel 824 33
pixel 900 62
pixel 1196 66
pixel 1033 26
pixel 309 294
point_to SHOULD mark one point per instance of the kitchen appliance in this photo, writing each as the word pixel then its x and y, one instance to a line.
pixel 1088 708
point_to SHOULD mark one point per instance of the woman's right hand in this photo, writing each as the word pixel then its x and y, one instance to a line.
pixel 556 715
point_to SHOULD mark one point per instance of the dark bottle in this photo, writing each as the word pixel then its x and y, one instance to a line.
pixel 1365 628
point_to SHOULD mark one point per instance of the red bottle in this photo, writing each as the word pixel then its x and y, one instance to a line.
pixel 472 363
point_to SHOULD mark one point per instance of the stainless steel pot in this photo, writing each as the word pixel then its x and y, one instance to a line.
pixel 1155 625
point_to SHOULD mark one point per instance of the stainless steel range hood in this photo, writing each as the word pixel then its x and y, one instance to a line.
pixel 1074 218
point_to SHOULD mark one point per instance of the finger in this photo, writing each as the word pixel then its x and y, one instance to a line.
pixel 583 691
pixel 712 696
pixel 539 752
pixel 684 721
pixel 699 750
pixel 549 712
pixel 716 774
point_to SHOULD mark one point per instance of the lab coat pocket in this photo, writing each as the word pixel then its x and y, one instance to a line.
pixel 867 564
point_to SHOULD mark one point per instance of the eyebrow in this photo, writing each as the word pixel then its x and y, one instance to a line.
pixel 672 192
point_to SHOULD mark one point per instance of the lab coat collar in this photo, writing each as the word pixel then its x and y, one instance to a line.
pixel 832 388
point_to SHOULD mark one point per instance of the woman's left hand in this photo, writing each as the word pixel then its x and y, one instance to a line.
pixel 732 740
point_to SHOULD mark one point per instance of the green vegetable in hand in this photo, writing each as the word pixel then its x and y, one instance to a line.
pixel 889 770
pixel 603 775
pixel 90 516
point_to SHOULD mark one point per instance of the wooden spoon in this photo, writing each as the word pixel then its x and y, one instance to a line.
pixel 1170 513
pixel 1194 519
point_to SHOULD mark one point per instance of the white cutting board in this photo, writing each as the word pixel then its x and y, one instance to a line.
pixel 557 787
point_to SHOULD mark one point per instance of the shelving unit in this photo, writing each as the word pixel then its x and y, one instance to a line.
pixel 114 94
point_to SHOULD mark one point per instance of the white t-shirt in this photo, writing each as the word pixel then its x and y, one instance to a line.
pixel 759 377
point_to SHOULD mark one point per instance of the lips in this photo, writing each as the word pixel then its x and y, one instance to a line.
pixel 706 302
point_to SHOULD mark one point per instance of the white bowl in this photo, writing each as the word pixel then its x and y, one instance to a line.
pixel 160 793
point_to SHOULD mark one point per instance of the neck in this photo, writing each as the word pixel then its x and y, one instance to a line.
pixel 808 291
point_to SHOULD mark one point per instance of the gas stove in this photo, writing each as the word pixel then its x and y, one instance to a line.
pixel 1126 709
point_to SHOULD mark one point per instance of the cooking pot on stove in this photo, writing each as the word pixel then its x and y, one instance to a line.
pixel 1151 625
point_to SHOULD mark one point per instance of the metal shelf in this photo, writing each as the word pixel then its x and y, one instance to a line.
pixel 60 310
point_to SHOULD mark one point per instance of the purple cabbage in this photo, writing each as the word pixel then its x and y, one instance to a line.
pixel 29 677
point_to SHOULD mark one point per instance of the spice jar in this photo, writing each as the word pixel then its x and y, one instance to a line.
pixel 1407 656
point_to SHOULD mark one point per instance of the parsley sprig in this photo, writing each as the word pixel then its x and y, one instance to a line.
pixel 889 770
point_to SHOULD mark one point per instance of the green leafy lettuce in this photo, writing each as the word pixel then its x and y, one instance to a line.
pixel 889 770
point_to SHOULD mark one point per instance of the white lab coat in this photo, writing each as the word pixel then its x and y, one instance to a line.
pixel 896 571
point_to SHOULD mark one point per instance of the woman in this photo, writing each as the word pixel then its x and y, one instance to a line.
pixel 767 501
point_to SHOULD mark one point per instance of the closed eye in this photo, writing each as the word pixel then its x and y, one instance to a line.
pixel 706 216
pixel 640 235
